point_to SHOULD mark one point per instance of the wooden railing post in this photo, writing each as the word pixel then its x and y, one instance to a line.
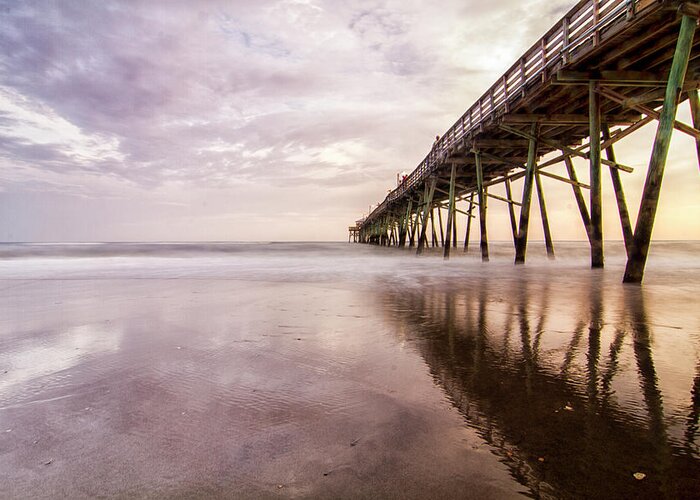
pixel 596 18
pixel 543 56
pixel 565 41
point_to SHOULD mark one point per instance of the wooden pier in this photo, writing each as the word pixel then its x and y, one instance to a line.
pixel 608 68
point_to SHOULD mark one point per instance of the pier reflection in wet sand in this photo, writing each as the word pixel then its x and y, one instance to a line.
pixel 583 391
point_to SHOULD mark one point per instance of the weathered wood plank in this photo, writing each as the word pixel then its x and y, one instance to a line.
pixel 506 200
pixel 563 179
pixel 616 78
pixel 564 119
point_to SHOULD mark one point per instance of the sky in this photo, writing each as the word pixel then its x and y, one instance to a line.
pixel 270 120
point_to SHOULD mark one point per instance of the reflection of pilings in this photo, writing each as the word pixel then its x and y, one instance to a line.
pixel 653 399
pixel 542 318
pixel 593 356
pixel 481 332
pixel 451 320
pixel 572 348
pixel 645 361
pixel 526 409
pixel 526 347
pixel 692 425
pixel 613 366
pixel 508 331
pixel 592 426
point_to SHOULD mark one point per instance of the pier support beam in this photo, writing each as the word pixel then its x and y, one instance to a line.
pixel 694 100
pixel 450 213
pixel 433 232
pixel 427 204
pixel 405 225
pixel 543 214
pixel 596 206
pixel 511 212
pixel 454 226
pixel 634 272
pixel 414 225
pixel 580 202
pixel 481 191
pixel 627 234
pixel 469 222
pixel 521 243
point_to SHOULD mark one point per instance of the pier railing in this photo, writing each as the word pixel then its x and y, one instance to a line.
pixel 584 25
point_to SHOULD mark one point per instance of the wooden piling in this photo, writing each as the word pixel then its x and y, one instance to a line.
pixel 405 225
pixel 627 234
pixel 578 195
pixel 450 212
pixel 521 245
pixel 414 225
pixel 454 227
pixel 430 190
pixel 469 222
pixel 442 232
pixel 634 271
pixel 481 192
pixel 543 214
pixel 694 100
pixel 432 227
pixel 511 212
pixel 596 207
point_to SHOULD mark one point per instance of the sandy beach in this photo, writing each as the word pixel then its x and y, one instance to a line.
pixel 345 371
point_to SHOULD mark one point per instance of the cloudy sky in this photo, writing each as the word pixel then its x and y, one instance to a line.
pixel 265 120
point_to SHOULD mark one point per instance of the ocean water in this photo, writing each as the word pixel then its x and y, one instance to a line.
pixel 320 370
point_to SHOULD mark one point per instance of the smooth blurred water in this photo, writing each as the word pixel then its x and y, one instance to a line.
pixel 315 370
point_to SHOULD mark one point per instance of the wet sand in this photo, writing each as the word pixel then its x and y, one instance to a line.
pixel 346 372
